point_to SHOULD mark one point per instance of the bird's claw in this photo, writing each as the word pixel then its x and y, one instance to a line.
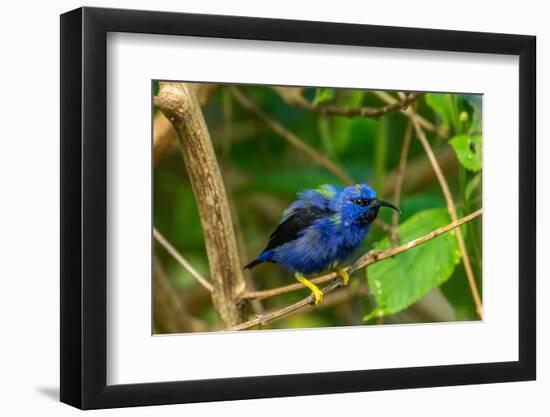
pixel 342 273
pixel 315 291
pixel 317 296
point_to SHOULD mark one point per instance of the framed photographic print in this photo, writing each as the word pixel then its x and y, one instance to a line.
pixel 259 208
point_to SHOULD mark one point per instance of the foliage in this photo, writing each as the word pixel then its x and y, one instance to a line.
pixel 400 281
pixel 468 151
pixel 322 95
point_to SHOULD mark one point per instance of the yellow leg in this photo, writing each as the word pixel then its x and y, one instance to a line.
pixel 343 274
pixel 317 293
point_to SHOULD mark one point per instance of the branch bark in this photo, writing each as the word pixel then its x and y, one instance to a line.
pixel 163 131
pixel 294 97
pixel 179 104
pixel 181 260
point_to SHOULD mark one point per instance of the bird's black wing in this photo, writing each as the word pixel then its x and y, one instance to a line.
pixel 300 218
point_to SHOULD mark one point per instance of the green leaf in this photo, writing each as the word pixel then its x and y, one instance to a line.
pixel 322 95
pixel 468 151
pixel 398 282
pixel 472 185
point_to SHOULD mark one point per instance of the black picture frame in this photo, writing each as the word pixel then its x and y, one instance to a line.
pixel 84 207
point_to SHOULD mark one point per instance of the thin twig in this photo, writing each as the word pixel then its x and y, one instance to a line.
pixel 420 124
pixel 181 260
pixel 364 261
pixel 294 97
pixel 451 207
pixel 423 172
pixel 339 296
pixel 290 137
pixel 334 297
pixel 266 318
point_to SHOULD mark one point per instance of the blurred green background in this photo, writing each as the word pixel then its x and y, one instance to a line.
pixel 262 174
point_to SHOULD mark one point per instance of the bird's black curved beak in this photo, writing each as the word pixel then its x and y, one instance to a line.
pixel 382 203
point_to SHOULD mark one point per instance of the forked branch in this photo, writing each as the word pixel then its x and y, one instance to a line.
pixel 179 104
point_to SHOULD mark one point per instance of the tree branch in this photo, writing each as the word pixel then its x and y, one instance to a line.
pixel 294 97
pixel 180 259
pixel 179 104
pixel 364 261
pixel 290 137
pixel 163 131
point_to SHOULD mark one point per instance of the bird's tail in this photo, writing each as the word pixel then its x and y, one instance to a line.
pixel 264 257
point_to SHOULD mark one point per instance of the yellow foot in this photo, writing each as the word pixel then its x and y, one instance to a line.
pixel 341 272
pixel 317 293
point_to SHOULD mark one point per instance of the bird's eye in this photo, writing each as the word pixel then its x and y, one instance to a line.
pixel 360 201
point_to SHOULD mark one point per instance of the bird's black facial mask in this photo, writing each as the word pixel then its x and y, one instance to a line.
pixel 372 212
pixel 368 216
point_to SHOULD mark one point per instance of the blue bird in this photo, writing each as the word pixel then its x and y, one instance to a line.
pixel 321 230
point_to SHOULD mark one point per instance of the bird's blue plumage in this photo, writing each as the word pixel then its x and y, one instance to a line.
pixel 322 228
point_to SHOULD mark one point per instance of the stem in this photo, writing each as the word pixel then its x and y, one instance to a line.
pixel 181 260
pixel 451 207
